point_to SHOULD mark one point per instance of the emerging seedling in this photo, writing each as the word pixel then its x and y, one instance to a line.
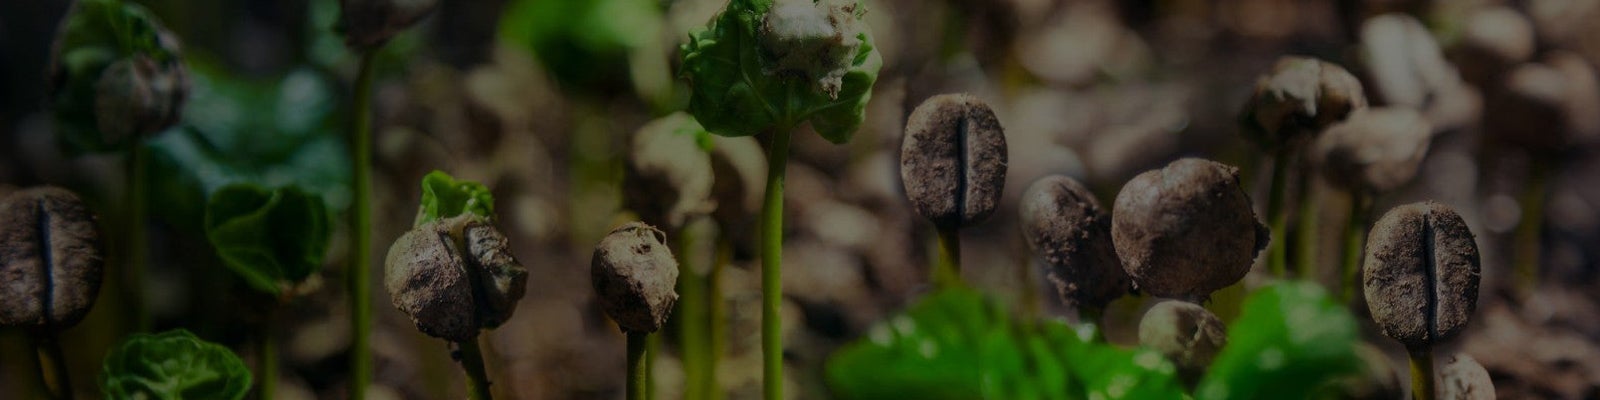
pixel 1290 104
pixel 1374 151
pixel 174 365
pixel 1462 378
pixel 1066 227
pixel 953 165
pixel 1186 230
pixel 633 273
pixel 1185 333
pixel 51 261
pixel 453 273
pixel 1421 281
pixel 667 177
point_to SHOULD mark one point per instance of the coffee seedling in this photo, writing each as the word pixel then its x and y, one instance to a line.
pixel 667 177
pixel 633 273
pixel 173 365
pixel 1374 151
pixel 1290 104
pixel 1462 378
pixel 953 164
pixel 1066 227
pixel 1186 230
pixel 51 261
pixel 1186 334
pixel 772 66
pixel 1421 281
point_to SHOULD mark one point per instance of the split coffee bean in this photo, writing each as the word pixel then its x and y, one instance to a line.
pixel 953 160
pixel 1421 274
pixel 51 259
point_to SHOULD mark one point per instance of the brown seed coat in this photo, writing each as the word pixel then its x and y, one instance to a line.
pixel 634 275
pixel 51 259
pixel 953 160
pixel 1186 230
pixel 1421 274
pixel 1066 227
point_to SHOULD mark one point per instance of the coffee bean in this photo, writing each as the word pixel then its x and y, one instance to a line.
pixel 634 276
pixel 1376 150
pixel 1421 274
pixel 1300 96
pixel 1186 230
pixel 454 277
pixel 1068 229
pixel 51 259
pixel 1186 334
pixel 953 160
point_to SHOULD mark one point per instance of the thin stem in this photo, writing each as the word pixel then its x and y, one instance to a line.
pixel 638 365
pixel 472 362
pixel 52 366
pixel 771 272
pixel 947 272
pixel 1305 240
pixel 692 321
pixel 716 313
pixel 1530 228
pixel 267 363
pixel 138 213
pixel 1422 374
pixel 1277 258
pixel 359 280
pixel 1355 234
pixel 652 345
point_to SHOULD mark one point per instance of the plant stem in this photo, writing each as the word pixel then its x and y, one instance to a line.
pixel 138 213
pixel 267 363
pixel 947 271
pixel 1277 259
pixel 1422 374
pixel 1530 228
pixel 52 365
pixel 652 345
pixel 359 281
pixel 692 318
pixel 1355 234
pixel 638 365
pixel 771 272
pixel 1305 240
pixel 472 362
pixel 715 315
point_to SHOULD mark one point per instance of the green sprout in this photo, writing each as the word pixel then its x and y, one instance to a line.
pixel 174 365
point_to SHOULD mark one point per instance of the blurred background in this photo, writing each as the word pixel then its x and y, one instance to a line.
pixel 537 99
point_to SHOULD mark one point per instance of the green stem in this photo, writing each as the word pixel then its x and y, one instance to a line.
pixel 52 366
pixel 692 319
pixel 267 363
pixel 1305 240
pixel 1277 259
pixel 947 272
pixel 1531 226
pixel 1422 374
pixel 1355 234
pixel 652 345
pixel 638 365
pixel 472 362
pixel 138 213
pixel 359 280
pixel 716 314
pixel 771 272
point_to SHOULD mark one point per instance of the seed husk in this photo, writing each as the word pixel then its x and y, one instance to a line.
pixel 1186 230
pixel 51 259
pixel 953 160
pixel 1065 225
pixel 1300 96
pixel 634 275
pixel 667 178
pixel 1375 150
pixel 1186 334
pixel 1421 274
pixel 454 277
pixel 1462 378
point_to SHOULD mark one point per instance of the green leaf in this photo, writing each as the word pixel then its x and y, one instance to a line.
pixel 95 34
pixel 1289 340
pixel 273 238
pixel 955 344
pixel 173 365
pixel 445 197
pixel 736 92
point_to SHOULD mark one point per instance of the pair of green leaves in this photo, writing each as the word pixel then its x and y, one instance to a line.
pixel 271 238
pixel 736 93
pixel 174 365
pixel 1290 340
pixel 443 197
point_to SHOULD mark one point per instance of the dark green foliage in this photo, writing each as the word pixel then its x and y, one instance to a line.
pixel 174 365
pixel 271 238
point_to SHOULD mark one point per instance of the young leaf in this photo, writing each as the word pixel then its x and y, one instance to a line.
pixel 272 239
pixel 741 89
pixel 957 345
pixel 1290 339
pixel 173 365
pixel 445 197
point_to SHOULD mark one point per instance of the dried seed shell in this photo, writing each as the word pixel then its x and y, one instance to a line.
pixel 634 275
pixel 1068 229
pixel 1185 333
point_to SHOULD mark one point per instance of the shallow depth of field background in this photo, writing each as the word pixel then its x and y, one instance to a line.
pixel 1097 90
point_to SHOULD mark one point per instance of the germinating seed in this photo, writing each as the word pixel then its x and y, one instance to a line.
pixel 367 23
pixel 1375 150
pixel 1421 274
pixel 137 96
pixel 51 259
pixel 1186 230
pixel 1462 378
pixel 453 277
pixel 1068 229
pixel 634 275
pixel 1185 333
pixel 667 178
pixel 814 39
pixel 1300 96
pixel 953 160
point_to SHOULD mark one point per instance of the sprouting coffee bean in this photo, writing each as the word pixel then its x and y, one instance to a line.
pixel 1186 334
pixel 51 259
pixel 1186 230
pixel 953 160
pixel 1300 96
pixel 367 23
pixel 634 275
pixel 1375 150
pixel 454 277
pixel 1462 378
pixel 1068 229
pixel 1421 274
pixel 667 178
pixel 138 96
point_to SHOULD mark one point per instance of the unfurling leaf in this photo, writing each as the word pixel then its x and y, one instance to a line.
pixel 272 239
pixel 443 197
pixel 174 365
